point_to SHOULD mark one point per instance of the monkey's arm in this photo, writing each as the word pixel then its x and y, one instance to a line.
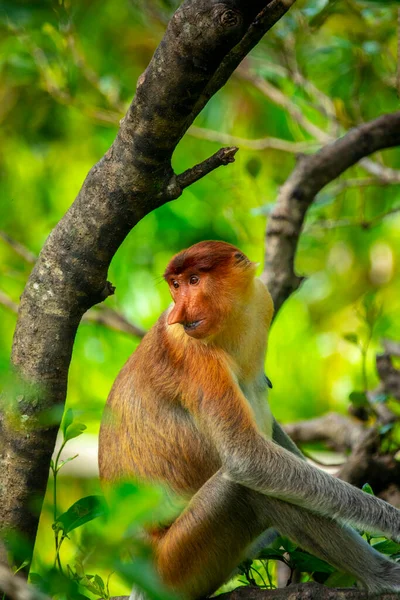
pixel 262 465
pixel 280 436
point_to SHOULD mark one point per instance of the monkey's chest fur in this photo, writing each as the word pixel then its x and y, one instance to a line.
pixel 148 437
pixel 158 443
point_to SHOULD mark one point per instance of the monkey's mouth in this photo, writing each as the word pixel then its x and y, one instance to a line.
pixel 192 325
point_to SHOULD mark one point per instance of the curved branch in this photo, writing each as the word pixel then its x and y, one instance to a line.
pixel 310 175
pixel 16 589
pixel 203 43
pixel 341 433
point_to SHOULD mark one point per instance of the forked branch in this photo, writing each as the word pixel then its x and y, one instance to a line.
pixel 310 175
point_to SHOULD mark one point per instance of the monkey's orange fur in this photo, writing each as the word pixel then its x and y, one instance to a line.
pixel 189 410
pixel 172 377
pixel 154 428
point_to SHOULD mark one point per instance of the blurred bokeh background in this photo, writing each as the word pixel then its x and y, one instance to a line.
pixel 68 70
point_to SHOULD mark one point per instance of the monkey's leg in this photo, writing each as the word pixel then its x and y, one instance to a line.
pixel 339 545
pixel 215 533
pixel 210 538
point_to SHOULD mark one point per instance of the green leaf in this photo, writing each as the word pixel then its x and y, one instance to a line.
pixel 253 166
pixel 339 579
pixel 271 554
pixel 368 489
pixel 351 337
pixel 368 300
pixel 358 399
pixel 79 569
pixel 67 460
pixel 74 430
pixel 387 547
pixel 21 566
pixel 81 512
pixel 100 582
pixel 311 564
pixel 56 584
pixel 35 579
pixel 287 544
pixel 67 420
pixel 96 586
pixel 142 573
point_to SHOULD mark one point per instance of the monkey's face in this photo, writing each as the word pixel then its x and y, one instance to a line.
pixel 196 307
pixel 209 283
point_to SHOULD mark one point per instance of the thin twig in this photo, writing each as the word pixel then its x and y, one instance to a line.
pixel 6 301
pixel 280 99
pixel 276 96
pixel 266 143
pixel 357 183
pixel 223 157
pixel 18 248
pixel 113 320
pixel 100 315
pixel 364 224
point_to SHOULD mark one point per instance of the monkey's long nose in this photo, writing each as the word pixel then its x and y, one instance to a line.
pixel 177 314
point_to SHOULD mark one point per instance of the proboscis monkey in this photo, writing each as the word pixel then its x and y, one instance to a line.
pixel 189 409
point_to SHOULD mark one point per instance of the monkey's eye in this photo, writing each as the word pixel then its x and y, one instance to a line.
pixel 175 283
pixel 194 280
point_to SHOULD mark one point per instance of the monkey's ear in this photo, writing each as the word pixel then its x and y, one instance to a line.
pixel 241 259
pixel 269 384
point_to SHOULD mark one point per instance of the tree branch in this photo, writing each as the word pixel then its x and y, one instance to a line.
pixel 339 432
pixel 15 588
pixel 18 248
pixel 224 156
pixel 299 591
pixel 101 315
pixel 6 301
pixel 114 320
pixel 268 16
pixel 310 175
pixel 275 95
pixel 256 144
pixel 303 591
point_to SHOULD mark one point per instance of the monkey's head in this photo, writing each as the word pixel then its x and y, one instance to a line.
pixel 209 283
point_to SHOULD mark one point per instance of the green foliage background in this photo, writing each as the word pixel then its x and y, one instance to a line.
pixel 68 70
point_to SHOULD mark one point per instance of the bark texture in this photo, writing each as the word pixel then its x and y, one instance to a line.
pixel 304 591
pixel 203 43
pixel 299 591
pixel 310 175
pixel 16 589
